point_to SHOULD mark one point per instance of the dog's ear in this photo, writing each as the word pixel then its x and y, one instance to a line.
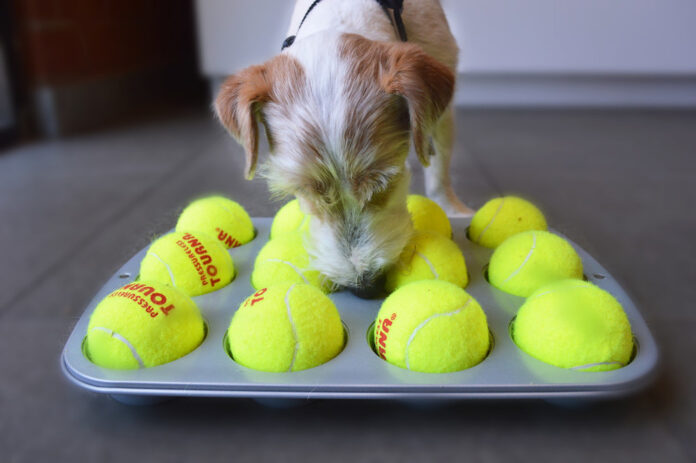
pixel 427 86
pixel 237 106
pixel 240 101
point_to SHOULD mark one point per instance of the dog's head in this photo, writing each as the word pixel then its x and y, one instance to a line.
pixel 339 114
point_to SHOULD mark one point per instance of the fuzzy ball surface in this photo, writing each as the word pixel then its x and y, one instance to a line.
pixel 427 215
pixel 289 218
pixel 220 217
pixel 431 327
pixel 501 218
pixel 286 327
pixel 286 259
pixel 193 262
pixel 526 261
pixel 428 256
pixel 143 324
pixel 574 324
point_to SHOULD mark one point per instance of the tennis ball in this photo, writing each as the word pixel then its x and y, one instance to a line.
pixel 501 218
pixel 428 256
pixel 143 324
pixel 219 217
pixel 431 327
pixel 529 260
pixel 285 259
pixel 574 324
pixel 193 262
pixel 427 215
pixel 289 219
pixel 285 327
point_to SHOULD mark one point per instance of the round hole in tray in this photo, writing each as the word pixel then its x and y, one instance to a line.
pixel 228 351
pixel 511 329
pixel 85 352
pixel 125 275
pixel 485 273
pixel 371 342
pixel 467 233
pixel 598 276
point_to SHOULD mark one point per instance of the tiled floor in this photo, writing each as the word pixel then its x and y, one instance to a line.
pixel 622 184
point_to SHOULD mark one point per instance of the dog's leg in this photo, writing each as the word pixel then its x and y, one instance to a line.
pixel 438 186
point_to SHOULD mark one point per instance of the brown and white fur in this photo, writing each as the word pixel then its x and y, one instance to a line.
pixel 340 108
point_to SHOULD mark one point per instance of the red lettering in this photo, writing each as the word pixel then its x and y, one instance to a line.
pixel 256 297
pixel 147 290
pixel 134 286
pixel 386 323
pixel 206 260
pixel 166 310
pixel 213 281
pixel 382 339
pixel 194 243
pixel 212 270
pixel 158 298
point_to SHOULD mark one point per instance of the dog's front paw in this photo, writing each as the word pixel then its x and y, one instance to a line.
pixel 452 206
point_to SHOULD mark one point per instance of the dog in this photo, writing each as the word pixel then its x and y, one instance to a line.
pixel 350 92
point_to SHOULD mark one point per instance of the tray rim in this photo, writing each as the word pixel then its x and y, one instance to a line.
pixel 648 352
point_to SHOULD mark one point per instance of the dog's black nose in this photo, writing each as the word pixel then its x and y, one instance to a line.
pixel 370 288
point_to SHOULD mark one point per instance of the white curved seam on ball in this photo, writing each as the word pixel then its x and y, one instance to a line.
pixel 299 272
pixel 524 262
pixel 590 365
pixel 485 229
pixel 224 208
pixel 125 341
pixel 425 322
pixel 430 264
pixel 292 325
pixel 171 274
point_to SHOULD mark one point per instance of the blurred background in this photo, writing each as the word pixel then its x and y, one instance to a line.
pixel 72 65
pixel 587 108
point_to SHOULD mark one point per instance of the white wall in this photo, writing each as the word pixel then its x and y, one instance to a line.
pixel 234 34
pixel 557 52
pixel 581 36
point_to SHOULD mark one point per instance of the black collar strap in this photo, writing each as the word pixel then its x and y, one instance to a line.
pixel 392 8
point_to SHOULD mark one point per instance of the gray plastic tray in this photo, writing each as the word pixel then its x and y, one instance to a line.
pixel 507 372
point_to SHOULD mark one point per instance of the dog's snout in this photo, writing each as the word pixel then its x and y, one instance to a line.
pixel 369 286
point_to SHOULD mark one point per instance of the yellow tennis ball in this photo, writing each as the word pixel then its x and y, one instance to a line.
pixel 428 256
pixel 574 324
pixel 427 215
pixel 501 218
pixel 219 217
pixel 285 259
pixel 286 327
pixel 143 324
pixel 431 327
pixel 193 262
pixel 529 260
pixel 289 218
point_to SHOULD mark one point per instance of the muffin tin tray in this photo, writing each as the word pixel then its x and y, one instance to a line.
pixel 357 372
